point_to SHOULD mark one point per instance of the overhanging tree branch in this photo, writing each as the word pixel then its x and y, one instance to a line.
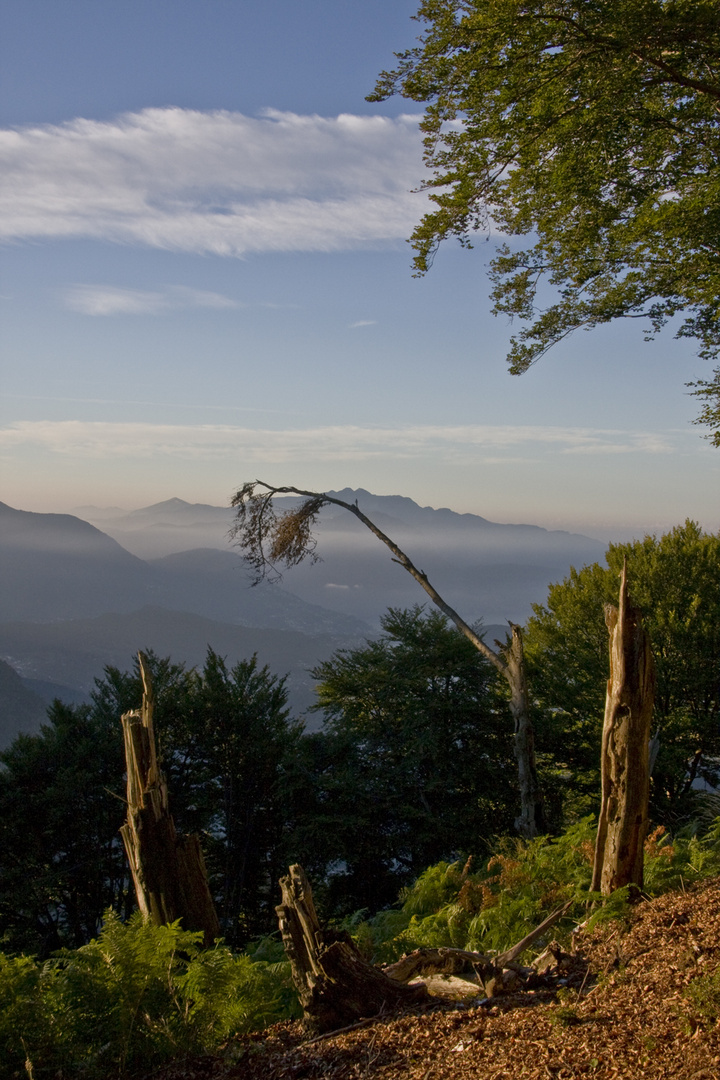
pixel 594 127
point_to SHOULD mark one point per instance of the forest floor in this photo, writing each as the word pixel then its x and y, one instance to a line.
pixel 626 1013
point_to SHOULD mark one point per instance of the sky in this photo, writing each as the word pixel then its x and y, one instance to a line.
pixel 206 279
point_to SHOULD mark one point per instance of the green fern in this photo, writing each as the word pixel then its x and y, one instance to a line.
pixel 133 998
pixel 24 1018
pixel 525 881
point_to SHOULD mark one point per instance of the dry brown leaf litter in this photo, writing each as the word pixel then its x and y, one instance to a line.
pixel 624 1015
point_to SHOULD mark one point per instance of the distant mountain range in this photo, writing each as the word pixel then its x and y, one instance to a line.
pixel 488 571
pixel 82 591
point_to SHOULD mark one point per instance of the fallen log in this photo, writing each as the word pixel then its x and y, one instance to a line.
pixel 506 958
pixel 554 957
pixel 336 986
pixel 442 961
pixel 496 974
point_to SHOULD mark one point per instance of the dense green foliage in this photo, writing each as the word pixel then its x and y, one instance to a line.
pixel 136 996
pixel 675 581
pixel 409 783
pixel 227 754
pixel 224 737
pixel 414 764
pixel 593 127
pixel 61 858
pixel 493 907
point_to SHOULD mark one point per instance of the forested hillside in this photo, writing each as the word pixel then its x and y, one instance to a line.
pixel 408 789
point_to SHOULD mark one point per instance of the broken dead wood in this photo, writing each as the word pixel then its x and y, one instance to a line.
pixel 531 821
pixel 502 975
pixel 442 961
pixel 555 957
pixel 336 986
pixel 168 869
pixel 497 974
pixel 623 821
pixel 503 959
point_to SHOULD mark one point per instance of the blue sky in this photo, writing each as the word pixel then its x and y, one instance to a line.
pixel 205 278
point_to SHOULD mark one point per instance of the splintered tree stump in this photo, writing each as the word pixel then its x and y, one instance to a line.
pixel 335 985
pixel 168 869
pixel 623 821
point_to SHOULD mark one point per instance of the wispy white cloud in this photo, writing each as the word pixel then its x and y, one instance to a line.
pixel 468 443
pixel 110 300
pixel 216 182
pixel 363 322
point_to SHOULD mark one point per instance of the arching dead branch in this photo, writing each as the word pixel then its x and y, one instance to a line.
pixel 270 541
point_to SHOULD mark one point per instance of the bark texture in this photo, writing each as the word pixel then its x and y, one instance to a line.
pixel 168 869
pixel 335 985
pixel 531 821
pixel 623 822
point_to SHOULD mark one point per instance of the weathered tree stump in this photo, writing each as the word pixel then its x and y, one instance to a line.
pixel 531 821
pixel 168 869
pixel 623 822
pixel 336 986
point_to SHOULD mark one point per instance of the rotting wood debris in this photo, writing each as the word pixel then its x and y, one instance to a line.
pixel 623 1013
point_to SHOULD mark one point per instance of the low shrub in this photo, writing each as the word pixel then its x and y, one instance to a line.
pixel 523 883
pixel 703 995
pixel 131 999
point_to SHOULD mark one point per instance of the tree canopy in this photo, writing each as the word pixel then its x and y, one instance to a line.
pixel 224 738
pixel 675 581
pixel 414 762
pixel 61 859
pixel 593 130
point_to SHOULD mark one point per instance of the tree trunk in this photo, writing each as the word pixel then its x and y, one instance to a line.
pixel 335 985
pixel 531 821
pixel 168 870
pixel 623 822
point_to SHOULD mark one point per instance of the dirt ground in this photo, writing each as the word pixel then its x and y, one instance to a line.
pixel 624 1014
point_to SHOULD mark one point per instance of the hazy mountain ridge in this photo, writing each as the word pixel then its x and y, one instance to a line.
pixel 80 594
pixel 217 584
pixel 74 600
pixel 55 566
pixel 489 571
